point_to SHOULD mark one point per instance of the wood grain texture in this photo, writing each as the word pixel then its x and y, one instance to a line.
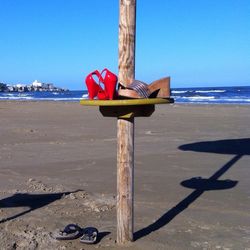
pixel 125 179
pixel 127 26
pixel 125 126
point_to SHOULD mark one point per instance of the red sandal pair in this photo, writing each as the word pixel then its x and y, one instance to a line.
pixel 95 90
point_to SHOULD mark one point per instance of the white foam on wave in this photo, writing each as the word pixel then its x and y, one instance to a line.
pixel 211 99
pixel 58 99
pixel 210 91
pixel 179 91
pixel 27 98
pixel 67 99
pixel 199 97
pixel 9 94
pixel 17 98
pixel 85 96
pixel 235 100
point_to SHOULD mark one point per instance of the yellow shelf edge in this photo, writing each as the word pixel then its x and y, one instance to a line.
pixel 126 102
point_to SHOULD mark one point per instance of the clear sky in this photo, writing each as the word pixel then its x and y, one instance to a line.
pixel 196 42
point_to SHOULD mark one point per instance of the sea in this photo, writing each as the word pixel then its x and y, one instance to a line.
pixel 204 95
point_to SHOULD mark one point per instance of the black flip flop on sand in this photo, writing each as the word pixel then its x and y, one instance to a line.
pixel 89 235
pixel 70 232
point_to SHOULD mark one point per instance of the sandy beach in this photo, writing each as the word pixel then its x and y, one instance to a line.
pixel 58 166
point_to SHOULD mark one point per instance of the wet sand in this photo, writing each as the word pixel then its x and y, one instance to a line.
pixel 58 166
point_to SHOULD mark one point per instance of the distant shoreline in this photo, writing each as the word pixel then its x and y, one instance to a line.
pixel 36 86
pixel 220 95
pixel 63 102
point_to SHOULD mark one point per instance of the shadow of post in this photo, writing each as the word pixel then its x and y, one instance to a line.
pixel 237 147
pixel 33 201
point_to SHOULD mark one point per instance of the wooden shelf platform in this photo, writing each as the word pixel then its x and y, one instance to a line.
pixel 127 108
pixel 126 102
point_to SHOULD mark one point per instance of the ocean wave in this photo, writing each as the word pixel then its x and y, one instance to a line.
pixel 59 99
pixel 43 96
pixel 231 95
pixel 65 99
pixel 235 100
pixel 28 98
pixel 179 91
pixel 210 91
pixel 212 100
pixel 17 98
pixel 85 96
pixel 198 97
pixel 197 91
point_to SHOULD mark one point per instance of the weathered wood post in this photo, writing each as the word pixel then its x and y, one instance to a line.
pixel 125 111
pixel 125 126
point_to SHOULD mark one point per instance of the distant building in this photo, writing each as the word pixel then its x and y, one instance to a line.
pixel 35 86
pixel 20 87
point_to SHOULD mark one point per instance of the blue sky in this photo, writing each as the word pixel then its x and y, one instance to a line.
pixel 196 42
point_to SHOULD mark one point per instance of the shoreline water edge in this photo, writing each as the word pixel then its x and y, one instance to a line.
pixel 204 95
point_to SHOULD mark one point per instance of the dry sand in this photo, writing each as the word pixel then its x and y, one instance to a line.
pixel 192 169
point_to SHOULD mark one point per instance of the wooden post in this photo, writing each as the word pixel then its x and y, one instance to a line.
pixel 125 180
pixel 127 24
pixel 125 127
